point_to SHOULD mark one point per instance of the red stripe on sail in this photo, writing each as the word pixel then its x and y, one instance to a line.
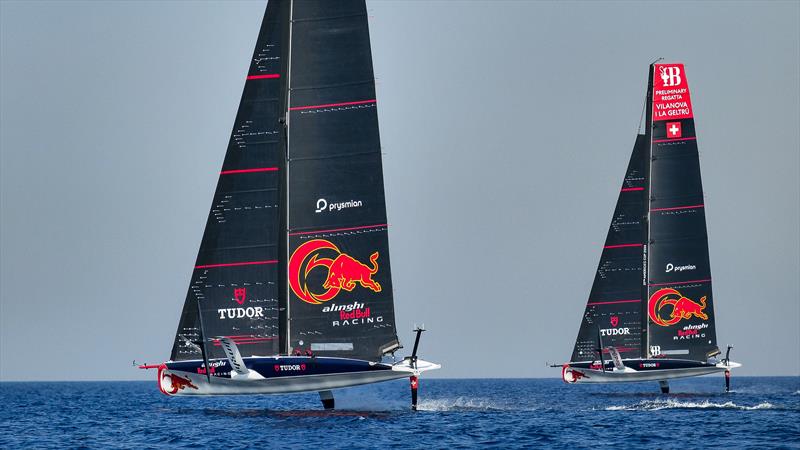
pixel 244 263
pixel 330 105
pixel 257 169
pixel 262 77
pixel 631 189
pixel 340 229
pixel 622 245
pixel 656 141
pixel 677 207
pixel 614 302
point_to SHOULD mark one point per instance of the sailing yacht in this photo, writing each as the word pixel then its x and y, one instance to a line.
pixel 650 313
pixel 292 289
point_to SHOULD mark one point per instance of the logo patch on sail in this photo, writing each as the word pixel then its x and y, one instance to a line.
pixel 240 295
pixel 668 307
pixel 344 271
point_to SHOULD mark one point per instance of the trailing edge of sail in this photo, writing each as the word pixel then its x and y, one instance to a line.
pixel 340 286
pixel 236 279
pixel 680 306
pixel 651 295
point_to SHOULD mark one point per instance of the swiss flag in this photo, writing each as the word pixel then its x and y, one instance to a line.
pixel 673 130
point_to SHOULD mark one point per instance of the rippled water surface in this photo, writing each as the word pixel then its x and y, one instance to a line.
pixel 760 412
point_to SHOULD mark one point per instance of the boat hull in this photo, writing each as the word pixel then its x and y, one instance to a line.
pixel 640 370
pixel 278 375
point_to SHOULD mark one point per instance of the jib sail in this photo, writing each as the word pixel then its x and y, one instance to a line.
pixel 235 281
pixel 680 305
pixel 613 312
pixel 295 253
pixel 339 276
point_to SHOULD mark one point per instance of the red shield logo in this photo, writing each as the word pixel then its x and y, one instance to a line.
pixel 239 295
pixel 673 130
pixel 614 321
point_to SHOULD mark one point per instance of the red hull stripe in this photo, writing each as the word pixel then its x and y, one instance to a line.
pixel 612 302
pixel 622 245
pixel 246 263
pixel 262 77
pixel 631 189
pixel 680 282
pixel 330 105
pixel 258 169
pixel 677 207
pixel 340 229
pixel 656 141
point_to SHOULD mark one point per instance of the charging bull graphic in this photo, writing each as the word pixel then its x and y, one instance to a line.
pixel 682 307
pixel 171 383
pixel 344 271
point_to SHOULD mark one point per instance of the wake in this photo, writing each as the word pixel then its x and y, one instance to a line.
pixel 657 405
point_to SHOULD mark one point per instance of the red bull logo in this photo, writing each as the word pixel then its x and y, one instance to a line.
pixel 170 383
pixel 681 307
pixel 344 271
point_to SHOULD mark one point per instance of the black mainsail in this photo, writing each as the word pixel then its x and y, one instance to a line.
pixel 680 310
pixel 651 298
pixel 294 257
pixel 340 287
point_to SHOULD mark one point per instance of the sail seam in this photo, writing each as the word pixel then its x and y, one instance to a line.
pixel 328 86
pixel 344 16
pixel 343 155
pixel 674 283
pixel 255 169
pixel 244 263
pixel 677 207
pixel 339 229
pixel 332 105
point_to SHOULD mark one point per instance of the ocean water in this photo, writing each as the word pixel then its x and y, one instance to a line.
pixel 500 413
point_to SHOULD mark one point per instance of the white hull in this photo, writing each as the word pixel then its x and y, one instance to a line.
pixel 580 375
pixel 199 385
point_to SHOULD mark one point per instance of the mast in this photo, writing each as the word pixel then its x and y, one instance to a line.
pixel 287 116
pixel 648 157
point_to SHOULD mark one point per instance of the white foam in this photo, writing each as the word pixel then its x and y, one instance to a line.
pixel 461 404
pixel 656 405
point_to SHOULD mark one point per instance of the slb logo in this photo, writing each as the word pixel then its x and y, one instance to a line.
pixel 670 75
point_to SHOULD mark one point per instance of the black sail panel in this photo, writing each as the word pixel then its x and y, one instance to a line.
pixel 680 306
pixel 613 311
pixel 340 288
pixel 235 281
